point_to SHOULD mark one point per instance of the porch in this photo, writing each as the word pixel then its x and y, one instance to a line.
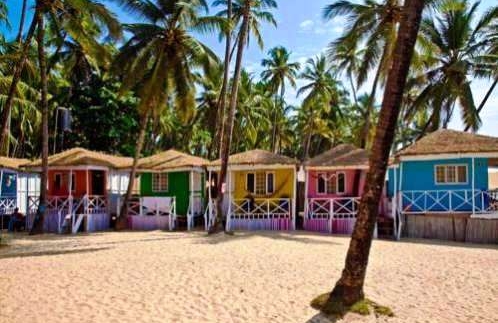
pixel 274 214
pixel 331 215
pixel 150 213
pixel 69 214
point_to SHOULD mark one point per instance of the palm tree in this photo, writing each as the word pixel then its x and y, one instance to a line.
pixel 78 19
pixel 374 24
pixel 158 59
pixel 322 93
pixel 452 46
pixel 278 71
pixel 347 59
pixel 21 21
pixel 349 289
pixel 248 14
pixel 490 58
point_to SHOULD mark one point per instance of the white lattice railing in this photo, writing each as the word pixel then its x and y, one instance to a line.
pixel 7 205
pixel 333 215
pixel 194 209
pixel 210 214
pixel 260 214
pixel 152 206
pixel 448 201
pixel 67 211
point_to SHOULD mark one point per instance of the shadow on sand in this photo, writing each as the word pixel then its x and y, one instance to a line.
pixel 49 252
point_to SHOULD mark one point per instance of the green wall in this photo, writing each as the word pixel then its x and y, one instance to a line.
pixel 178 186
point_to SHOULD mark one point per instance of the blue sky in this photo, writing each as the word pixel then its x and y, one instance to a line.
pixel 305 34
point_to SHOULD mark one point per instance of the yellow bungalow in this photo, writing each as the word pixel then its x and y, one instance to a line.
pixel 260 191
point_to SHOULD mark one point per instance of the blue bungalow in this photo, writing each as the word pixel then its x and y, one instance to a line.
pixel 446 172
pixel 15 186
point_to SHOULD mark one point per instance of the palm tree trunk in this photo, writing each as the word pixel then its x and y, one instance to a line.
pixel 353 88
pixel 486 98
pixel 21 22
pixel 220 114
pixel 349 288
pixel 123 214
pixel 16 77
pixel 42 61
pixel 232 109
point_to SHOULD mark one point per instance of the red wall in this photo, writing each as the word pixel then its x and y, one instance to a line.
pixel 80 179
pixel 313 185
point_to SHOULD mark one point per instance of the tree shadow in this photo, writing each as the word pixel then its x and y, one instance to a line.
pixel 447 243
pixel 294 236
pixel 41 253
pixel 321 318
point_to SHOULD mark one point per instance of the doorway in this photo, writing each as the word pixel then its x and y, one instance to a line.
pixel 98 182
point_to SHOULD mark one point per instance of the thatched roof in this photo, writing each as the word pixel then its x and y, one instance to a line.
pixel 343 155
pixel 256 157
pixel 12 163
pixel 83 157
pixel 170 159
pixel 451 142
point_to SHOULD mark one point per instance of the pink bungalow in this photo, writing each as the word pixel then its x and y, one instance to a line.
pixel 334 184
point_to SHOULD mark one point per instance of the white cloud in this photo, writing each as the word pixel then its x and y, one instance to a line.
pixel 306 25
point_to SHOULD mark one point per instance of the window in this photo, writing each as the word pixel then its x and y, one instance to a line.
pixel 73 183
pixel 341 183
pixel 57 181
pixel 451 174
pixel 260 183
pixel 160 182
pixel 331 183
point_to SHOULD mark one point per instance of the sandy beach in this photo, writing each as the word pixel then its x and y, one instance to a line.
pixel 250 277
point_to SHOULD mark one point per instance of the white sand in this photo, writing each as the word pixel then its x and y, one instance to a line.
pixel 252 277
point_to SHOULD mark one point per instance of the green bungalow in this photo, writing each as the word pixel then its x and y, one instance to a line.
pixel 171 191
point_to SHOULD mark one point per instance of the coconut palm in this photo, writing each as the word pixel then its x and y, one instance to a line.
pixel 452 46
pixel 158 59
pixel 74 19
pixel 248 15
pixel 349 288
pixel 322 92
pixel 279 71
pixel 374 24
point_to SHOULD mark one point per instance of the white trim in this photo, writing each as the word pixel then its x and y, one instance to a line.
pixel 327 178
pixel 252 167
pixel 62 168
pixel 448 156
pixel 171 170
pixel 446 174
pixel 336 168
pixel 474 187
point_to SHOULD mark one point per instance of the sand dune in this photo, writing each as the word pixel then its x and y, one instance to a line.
pixel 251 277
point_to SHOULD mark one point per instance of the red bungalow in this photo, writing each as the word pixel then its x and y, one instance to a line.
pixel 78 185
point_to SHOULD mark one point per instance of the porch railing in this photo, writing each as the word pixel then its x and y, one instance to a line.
pixel 333 215
pixel 69 212
pixel 448 201
pixel 143 207
pixel 260 214
pixel 194 209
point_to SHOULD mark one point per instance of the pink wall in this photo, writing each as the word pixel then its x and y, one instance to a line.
pixel 313 183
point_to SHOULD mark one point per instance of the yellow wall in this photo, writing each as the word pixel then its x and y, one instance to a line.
pixel 284 183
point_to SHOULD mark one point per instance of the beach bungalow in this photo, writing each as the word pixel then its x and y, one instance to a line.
pixel 15 186
pixel 334 183
pixel 171 191
pixel 78 186
pixel 441 181
pixel 260 193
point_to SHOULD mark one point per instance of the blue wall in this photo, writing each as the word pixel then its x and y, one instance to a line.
pixel 9 183
pixel 420 176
